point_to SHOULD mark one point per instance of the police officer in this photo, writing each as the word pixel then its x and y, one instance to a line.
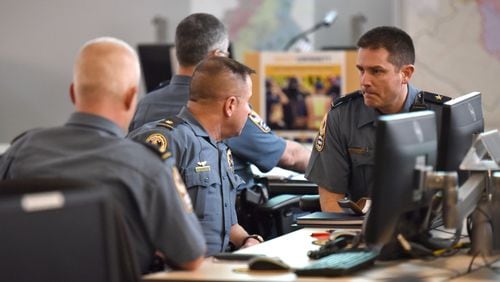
pixel 343 153
pixel 91 146
pixel 198 36
pixel 217 109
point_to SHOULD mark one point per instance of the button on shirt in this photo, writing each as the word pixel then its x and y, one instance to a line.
pixel 254 146
pixel 206 168
pixel 92 148
pixel 345 163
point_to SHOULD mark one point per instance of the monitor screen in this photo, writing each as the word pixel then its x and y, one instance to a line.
pixel 404 142
pixel 461 120
pixel 159 63
pixel 156 63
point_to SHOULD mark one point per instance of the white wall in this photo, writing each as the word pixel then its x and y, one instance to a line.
pixel 39 40
pixel 342 32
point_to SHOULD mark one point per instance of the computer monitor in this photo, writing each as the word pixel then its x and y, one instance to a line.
pixel 159 63
pixel 156 63
pixel 404 143
pixel 461 120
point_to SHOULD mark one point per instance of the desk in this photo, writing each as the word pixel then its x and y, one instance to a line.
pixel 292 249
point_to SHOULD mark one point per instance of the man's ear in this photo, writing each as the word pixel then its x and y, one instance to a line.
pixel 407 72
pixel 72 93
pixel 230 106
pixel 130 97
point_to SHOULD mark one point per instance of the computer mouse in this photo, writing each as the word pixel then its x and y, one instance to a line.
pixel 267 263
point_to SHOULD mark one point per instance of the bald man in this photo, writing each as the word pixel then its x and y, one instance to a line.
pixel 91 146
pixel 217 109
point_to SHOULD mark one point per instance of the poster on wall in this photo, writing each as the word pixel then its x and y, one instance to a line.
pixel 298 88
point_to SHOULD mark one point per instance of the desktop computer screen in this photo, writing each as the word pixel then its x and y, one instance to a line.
pixel 156 63
pixel 404 142
pixel 159 63
pixel 461 120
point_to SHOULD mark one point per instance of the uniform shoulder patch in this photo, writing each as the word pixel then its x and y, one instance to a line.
pixel 230 162
pixel 434 98
pixel 255 118
pixel 346 99
pixel 170 123
pixel 319 143
pixel 154 149
pixel 158 143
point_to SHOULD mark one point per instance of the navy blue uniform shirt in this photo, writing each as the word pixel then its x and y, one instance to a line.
pixel 342 159
pixel 206 167
pixel 256 145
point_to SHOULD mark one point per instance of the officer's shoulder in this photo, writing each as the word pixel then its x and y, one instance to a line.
pixel 434 98
pixel 169 123
pixel 159 150
pixel 26 134
pixel 346 99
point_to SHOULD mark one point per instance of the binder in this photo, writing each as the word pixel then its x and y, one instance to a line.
pixel 331 219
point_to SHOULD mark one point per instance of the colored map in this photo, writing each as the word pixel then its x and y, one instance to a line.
pixel 458 49
pixel 262 25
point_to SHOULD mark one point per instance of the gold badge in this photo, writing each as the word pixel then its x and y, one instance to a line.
pixel 159 141
pixel 255 118
pixel 319 144
pixel 230 162
pixel 439 97
pixel 181 189
pixel 202 166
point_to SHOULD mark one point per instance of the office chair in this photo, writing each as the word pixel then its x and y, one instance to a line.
pixel 62 230
pixel 269 216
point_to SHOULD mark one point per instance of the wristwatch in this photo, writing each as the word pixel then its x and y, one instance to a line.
pixel 253 236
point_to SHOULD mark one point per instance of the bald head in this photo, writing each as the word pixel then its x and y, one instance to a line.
pixel 217 78
pixel 105 69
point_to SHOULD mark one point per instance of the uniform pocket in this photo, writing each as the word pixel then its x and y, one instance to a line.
pixel 362 174
pixel 199 185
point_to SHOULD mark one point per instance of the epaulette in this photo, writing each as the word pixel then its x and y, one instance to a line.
pixel 154 148
pixel 433 98
pixel 347 98
pixel 170 122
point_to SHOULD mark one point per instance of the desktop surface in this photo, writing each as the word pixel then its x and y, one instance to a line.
pixel 292 249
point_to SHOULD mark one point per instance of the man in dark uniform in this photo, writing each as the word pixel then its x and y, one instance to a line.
pixel 199 36
pixel 343 155
pixel 217 109
pixel 91 146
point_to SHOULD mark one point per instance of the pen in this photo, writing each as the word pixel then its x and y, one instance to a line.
pixel 320 235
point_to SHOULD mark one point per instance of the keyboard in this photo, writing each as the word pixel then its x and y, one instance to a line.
pixel 339 264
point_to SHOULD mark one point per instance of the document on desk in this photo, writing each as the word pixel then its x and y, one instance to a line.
pixel 331 219
pixel 278 173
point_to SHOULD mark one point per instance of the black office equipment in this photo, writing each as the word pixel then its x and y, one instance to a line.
pixel 461 120
pixel 62 230
pixel 330 247
pixel 156 63
pixel 235 256
pixel 404 143
pixel 159 62
pixel 339 264
pixel 331 219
